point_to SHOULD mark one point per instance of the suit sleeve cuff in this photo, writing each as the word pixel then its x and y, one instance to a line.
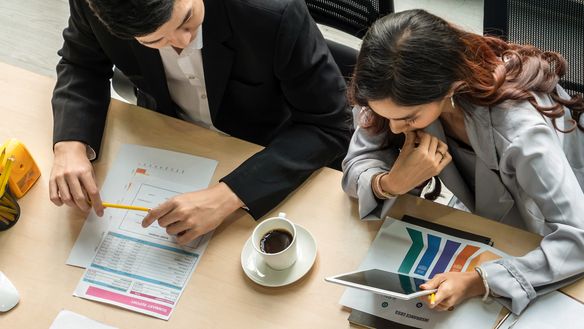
pixel 368 203
pixel 506 281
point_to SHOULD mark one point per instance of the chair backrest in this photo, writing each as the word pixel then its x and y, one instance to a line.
pixel 551 25
pixel 351 16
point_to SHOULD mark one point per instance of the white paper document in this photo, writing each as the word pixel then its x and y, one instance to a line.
pixel 141 269
pixel 71 320
pixel 551 311
pixel 421 253
pixel 136 165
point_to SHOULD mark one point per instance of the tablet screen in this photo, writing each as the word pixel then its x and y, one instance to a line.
pixel 384 280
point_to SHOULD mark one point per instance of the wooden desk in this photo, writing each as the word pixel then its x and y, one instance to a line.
pixel 219 295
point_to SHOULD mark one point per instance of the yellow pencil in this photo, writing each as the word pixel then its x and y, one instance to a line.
pixel 7 216
pixel 432 298
pixel 124 206
pixel 6 174
pixel 3 165
pixel 4 221
pixel 6 201
pixel 8 210
pixel 2 156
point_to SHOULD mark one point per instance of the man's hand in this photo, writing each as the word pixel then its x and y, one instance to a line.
pixel 72 179
pixel 193 214
pixel 422 157
pixel 453 288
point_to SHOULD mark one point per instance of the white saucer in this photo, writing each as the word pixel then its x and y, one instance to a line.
pixel 260 273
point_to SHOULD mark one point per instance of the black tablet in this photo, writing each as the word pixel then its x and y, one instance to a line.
pixel 383 283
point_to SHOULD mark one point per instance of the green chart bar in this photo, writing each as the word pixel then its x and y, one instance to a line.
pixel 406 284
pixel 414 252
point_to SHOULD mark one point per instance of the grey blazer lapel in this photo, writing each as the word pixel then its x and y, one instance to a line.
pixel 450 176
pixel 492 199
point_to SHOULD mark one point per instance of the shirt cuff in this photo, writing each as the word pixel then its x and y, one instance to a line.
pixel 91 155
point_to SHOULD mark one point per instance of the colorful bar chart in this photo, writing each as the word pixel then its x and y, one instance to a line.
pixel 453 253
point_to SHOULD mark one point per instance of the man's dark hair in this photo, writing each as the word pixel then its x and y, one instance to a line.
pixel 128 19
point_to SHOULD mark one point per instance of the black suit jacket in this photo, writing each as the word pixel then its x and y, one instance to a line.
pixel 269 76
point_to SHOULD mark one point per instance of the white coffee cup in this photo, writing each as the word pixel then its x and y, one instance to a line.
pixel 281 259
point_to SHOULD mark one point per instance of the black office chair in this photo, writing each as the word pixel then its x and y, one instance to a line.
pixel 353 17
pixel 552 25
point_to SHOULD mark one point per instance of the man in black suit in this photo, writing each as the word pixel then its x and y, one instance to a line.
pixel 254 69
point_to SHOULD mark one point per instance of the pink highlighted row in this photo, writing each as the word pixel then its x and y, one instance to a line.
pixel 127 300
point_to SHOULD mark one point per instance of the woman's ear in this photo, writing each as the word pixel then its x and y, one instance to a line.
pixel 454 87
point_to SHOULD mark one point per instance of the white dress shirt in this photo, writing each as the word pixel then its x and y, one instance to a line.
pixel 186 84
pixel 186 81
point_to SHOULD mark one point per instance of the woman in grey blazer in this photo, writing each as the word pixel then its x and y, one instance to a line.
pixel 490 120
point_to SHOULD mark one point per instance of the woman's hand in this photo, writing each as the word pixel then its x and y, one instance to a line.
pixel 422 157
pixel 72 179
pixel 454 288
pixel 193 214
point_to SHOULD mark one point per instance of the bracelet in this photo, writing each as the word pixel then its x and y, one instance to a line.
pixel 378 190
pixel 483 276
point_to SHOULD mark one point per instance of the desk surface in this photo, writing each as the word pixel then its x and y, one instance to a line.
pixel 33 252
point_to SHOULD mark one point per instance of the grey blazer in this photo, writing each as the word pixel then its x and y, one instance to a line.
pixel 523 173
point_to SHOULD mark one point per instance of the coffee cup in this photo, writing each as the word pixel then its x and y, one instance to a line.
pixel 274 239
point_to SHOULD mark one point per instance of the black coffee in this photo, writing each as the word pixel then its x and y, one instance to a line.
pixel 275 241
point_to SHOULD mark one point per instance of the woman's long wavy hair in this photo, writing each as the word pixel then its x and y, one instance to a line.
pixel 413 57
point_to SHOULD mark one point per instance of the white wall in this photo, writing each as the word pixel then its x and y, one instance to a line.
pixel 467 14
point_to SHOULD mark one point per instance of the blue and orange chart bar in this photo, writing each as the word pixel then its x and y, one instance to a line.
pixel 444 255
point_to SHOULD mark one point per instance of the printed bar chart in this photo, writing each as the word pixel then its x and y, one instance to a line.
pixel 439 255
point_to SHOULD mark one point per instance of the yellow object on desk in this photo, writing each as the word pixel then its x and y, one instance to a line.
pixel 6 170
pixel 9 210
pixel 18 173
pixel 25 171
pixel 124 206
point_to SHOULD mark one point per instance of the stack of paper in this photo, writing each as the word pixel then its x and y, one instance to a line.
pixel 419 252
